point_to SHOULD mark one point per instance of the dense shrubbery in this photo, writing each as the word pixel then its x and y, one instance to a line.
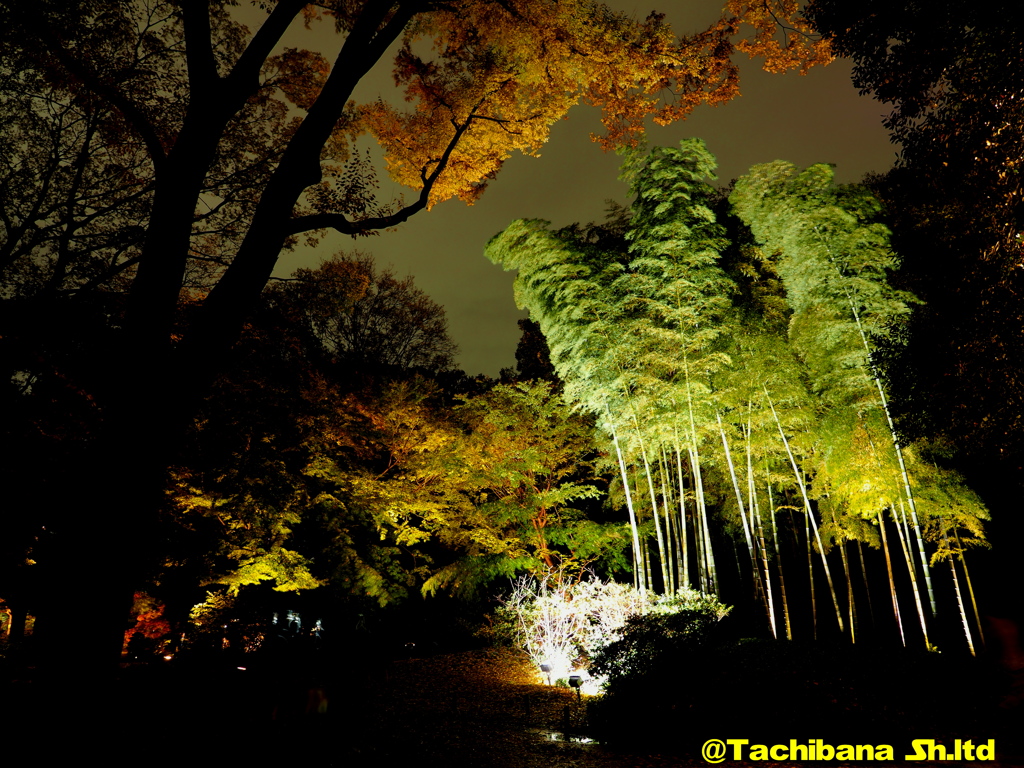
pixel 646 641
pixel 676 681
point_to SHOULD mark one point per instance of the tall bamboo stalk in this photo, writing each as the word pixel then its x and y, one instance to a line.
pixel 904 534
pixel 809 513
pixel 756 518
pixel 778 557
pixel 654 508
pixel 960 605
pixel 670 587
pixel 698 538
pixel 909 558
pixel 850 605
pixel 684 544
pixel 695 468
pixel 864 576
pixel 756 527
pixel 896 447
pixel 892 582
pixel 739 501
pixel 702 512
pixel 970 590
pixel 640 583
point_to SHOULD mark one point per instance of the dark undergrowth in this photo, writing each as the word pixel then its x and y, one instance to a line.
pixel 681 693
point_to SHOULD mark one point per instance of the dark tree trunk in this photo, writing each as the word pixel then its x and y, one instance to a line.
pixel 110 541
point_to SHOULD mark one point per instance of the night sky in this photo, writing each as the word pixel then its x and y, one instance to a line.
pixel 811 119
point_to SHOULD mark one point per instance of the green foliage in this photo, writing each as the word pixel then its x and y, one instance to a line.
pixel 634 311
pixel 675 244
pixel 754 368
pixel 648 643
pixel 526 464
pixel 834 258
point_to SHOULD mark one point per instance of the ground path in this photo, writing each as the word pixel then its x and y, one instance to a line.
pixel 485 709
pixel 476 709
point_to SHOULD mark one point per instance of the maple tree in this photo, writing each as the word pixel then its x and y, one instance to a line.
pixel 527 463
pixel 369 486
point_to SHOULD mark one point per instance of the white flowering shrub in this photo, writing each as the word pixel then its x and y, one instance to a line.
pixel 561 623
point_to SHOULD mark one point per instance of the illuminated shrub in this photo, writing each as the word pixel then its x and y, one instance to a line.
pixel 563 624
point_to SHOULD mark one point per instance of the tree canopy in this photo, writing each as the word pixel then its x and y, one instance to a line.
pixel 953 76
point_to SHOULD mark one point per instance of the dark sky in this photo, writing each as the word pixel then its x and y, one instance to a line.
pixel 811 119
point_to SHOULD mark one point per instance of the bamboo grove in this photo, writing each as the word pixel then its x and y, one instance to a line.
pixel 731 353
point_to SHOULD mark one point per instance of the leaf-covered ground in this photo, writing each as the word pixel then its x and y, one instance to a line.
pixel 486 709
pixel 476 709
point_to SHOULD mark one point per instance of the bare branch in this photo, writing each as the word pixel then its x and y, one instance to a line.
pixel 112 95
pixel 342 224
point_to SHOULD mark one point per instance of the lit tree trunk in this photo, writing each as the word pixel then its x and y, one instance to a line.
pixel 709 555
pixel 739 501
pixel 654 510
pixel 899 454
pixel 864 576
pixel 695 467
pixel 645 551
pixel 810 570
pixel 671 530
pixel 698 537
pixel 851 607
pixel 970 589
pixel 756 516
pixel 960 606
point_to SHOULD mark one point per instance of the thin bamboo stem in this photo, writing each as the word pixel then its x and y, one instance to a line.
pixel 892 581
pixel 684 581
pixel 778 559
pixel 639 582
pixel 809 513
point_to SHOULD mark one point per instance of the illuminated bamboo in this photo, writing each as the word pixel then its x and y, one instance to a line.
pixel 909 558
pixel 639 581
pixel 684 544
pixel 892 433
pixel 810 515
pixel 739 501
pixel 970 590
pixel 778 557
pixel 756 515
pixel 892 582
pixel 654 508
pixel 960 605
